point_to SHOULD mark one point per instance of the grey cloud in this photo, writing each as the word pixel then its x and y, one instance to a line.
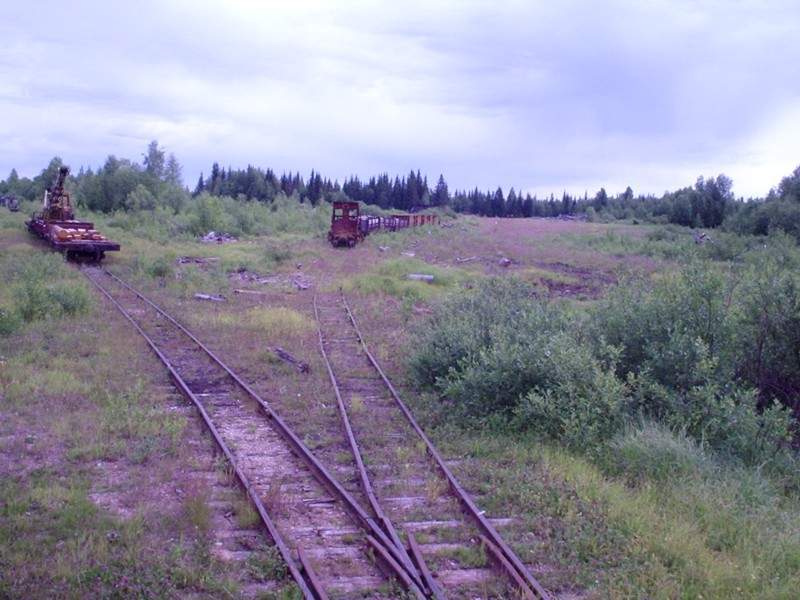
pixel 544 96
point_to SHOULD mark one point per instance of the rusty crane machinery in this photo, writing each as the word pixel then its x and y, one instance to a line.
pixel 56 224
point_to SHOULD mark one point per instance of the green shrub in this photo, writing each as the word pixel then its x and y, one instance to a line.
pixel 36 300
pixel 768 324
pixel 208 214
pixel 9 320
pixel 239 217
pixel 577 400
pixel 72 298
pixel 678 331
pixel 32 300
pixel 498 350
pixel 686 347
pixel 670 352
pixel 763 218
pixel 161 266
pixel 463 325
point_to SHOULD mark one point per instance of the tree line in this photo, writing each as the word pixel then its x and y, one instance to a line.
pixel 123 184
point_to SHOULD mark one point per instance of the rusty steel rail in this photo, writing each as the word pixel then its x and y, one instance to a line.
pixel 420 576
pixel 310 589
pixel 504 556
pixel 298 447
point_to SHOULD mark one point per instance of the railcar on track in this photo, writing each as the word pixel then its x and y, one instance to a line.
pixel 56 224
pixel 349 226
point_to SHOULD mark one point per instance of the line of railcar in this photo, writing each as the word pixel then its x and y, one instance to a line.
pixel 349 226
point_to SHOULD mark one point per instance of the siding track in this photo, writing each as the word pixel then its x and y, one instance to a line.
pixel 408 484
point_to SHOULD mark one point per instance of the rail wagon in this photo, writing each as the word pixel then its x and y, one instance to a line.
pixel 349 226
pixel 56 224
pixel 345 230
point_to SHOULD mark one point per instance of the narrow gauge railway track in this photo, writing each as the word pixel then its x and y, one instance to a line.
pixel 307 514
pixel 405 478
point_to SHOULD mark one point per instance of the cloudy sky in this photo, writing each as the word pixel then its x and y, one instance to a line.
pixel 540 95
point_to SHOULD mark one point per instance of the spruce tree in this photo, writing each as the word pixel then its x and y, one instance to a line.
pixel 201 186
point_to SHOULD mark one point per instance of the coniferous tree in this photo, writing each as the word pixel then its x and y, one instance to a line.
pixel 498 204
pixel 441 196
pixel 527 206
pixel 200 187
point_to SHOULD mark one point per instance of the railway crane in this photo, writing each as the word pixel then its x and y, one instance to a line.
pixel 56 224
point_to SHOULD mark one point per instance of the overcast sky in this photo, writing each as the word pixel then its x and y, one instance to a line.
pixel 540 95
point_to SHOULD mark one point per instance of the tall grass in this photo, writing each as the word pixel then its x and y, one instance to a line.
pixel 41 286
pixel 273 323
pixel 627 525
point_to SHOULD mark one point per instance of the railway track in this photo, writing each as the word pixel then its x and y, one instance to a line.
pixel 410 489
pixel 333 547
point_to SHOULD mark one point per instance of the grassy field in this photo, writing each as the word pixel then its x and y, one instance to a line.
pixel 651 514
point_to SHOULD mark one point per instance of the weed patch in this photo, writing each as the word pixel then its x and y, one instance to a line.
pixel 42 287
pixel 273 323
pixel 391 277
pixel 267 565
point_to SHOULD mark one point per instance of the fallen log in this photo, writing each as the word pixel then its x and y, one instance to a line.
pixel 303 367
pixel 200 260
pixel 210 297
pixel 300 284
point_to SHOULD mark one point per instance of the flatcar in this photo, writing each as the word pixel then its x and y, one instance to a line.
pixel 56 224
pixel 349 226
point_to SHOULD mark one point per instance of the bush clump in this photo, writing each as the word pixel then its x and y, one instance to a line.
pixel 500 351
pixel 678 352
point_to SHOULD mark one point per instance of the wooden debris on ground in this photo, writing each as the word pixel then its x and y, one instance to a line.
pixel 302 366
pixel 197 260
pixel 215 237
pixel 301 283
pixel 298 280
pixel 210 297
pixel 421 277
